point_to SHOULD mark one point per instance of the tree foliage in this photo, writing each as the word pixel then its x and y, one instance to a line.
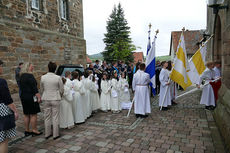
pixel 117 39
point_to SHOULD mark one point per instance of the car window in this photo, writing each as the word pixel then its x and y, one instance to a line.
pixel 80 70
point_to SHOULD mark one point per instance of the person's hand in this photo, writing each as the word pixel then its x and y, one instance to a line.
pixel 168 83
pixel 38 96
pixel 39 100
pixel 16 115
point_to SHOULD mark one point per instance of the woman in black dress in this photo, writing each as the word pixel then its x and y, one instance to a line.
pixel 8 114
pixel 30 99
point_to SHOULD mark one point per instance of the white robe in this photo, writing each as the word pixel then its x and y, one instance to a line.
pixel 207 97
pixel 164 78
pixel 142 96
pixel 115 104
pixel 94 96
pixel 105 95
pixel 78 106
pixel 69 83
pixel 66 113
pixel 87 84
pixel 124 97
pixel 84 98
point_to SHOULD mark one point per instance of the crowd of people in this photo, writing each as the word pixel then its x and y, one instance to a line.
pixel 70 100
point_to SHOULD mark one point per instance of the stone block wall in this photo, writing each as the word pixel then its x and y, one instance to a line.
pixel 219 48
pixel 28 35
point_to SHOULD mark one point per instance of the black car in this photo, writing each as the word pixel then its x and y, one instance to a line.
pixel 69 67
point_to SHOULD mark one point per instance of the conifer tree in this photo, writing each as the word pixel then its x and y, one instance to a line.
pixel 117 39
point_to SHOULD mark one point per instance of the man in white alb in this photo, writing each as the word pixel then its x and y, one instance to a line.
pixel 140 84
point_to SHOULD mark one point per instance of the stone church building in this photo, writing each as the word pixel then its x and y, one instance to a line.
pixel 40 31
pixel 218 23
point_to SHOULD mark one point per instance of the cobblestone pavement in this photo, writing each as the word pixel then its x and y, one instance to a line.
pixel 184 128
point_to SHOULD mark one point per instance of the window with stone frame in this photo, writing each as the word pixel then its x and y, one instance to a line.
pixel 35 4
pixel 64 12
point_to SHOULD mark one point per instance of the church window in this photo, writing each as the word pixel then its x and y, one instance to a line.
pixel 64 9
pixel 36 4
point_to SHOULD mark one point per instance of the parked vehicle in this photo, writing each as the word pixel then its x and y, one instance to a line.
pixel 69 67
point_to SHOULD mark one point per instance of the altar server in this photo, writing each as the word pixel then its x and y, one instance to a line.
pixel 208 98
pixel 164 87
pixel 140 84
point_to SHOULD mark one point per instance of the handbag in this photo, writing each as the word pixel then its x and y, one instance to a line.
pixel 7 118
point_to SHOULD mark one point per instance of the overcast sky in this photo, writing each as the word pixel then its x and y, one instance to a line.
pixel 165 15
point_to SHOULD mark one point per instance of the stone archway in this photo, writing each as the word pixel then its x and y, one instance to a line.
pixel 217 49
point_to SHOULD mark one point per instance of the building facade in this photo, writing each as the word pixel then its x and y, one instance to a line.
pixel 138 57
pixel 219 49
pixel 40 31
pixel 192 39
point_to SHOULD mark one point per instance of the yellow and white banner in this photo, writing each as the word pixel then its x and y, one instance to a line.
pixel 180 69
pixel 197 64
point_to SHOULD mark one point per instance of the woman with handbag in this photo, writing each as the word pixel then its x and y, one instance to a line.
pixel 8 114
pixel 30 99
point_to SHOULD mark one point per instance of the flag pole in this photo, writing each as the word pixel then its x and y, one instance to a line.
pixel 207 40
pixel 131 106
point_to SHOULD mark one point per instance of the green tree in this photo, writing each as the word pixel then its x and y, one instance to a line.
pixel 117 39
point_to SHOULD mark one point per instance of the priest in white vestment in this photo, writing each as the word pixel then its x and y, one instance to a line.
pixel 208 98
pixel 165 89
pixel 140 84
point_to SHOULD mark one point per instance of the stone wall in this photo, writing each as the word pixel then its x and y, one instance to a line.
pixel 28 35
pixel 219 49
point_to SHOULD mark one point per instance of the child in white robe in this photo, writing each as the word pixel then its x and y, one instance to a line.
pixel 87 85
pixel 78 99
pixel 124 97
pixel 164 78
pixel 66 113
pixel 208 98
pixel 84 97
pixel 94 96
pixel 105 93
pixel 115 104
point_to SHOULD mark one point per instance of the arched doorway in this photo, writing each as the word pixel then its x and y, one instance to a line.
pixel 217 48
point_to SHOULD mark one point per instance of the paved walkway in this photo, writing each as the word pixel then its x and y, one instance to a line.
pixel 185 128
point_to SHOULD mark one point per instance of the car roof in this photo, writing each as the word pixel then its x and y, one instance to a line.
pixel 71 65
